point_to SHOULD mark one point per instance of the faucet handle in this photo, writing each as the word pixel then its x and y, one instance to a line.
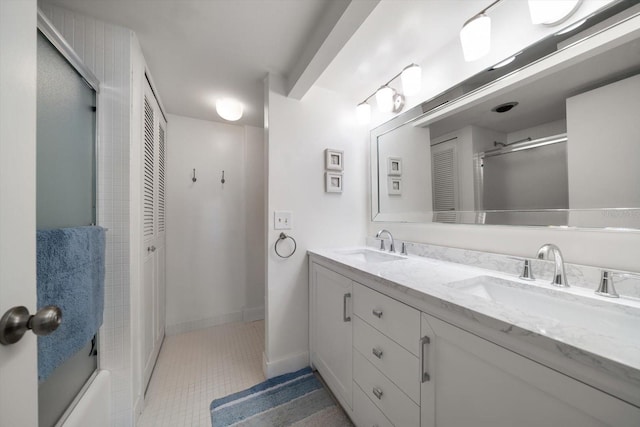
pixel 404 249
pixel 382 247
pixel 527 273
pixel 606 288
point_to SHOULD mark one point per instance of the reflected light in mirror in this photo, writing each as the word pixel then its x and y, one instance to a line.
pixel 363 113
pixel 384 98
pixel 504 63
pixel 551 12
pixel 475 37
pixel 411 80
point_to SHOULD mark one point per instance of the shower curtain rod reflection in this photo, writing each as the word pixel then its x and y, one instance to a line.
pixel 540 142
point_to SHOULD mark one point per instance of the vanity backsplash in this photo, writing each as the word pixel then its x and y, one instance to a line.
pixel 577 275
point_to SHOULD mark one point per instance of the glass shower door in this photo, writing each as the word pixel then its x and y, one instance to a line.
pixel 65 194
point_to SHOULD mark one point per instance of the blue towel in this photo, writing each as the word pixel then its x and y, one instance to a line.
pixel 70 273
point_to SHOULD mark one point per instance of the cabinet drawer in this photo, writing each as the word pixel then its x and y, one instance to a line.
pixel 365 413
pixel 393 403
pixel 396 320
pixel 400 366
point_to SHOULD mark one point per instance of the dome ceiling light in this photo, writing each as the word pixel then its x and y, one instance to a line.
pixel 229 109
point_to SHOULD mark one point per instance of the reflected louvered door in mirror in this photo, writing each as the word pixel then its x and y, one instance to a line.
pixel 152 317
pixel 444 180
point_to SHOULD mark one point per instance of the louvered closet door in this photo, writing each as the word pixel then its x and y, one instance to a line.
pixel 444 169
pixel 152 317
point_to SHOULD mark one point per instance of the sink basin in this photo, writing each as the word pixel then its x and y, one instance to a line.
pixel 369 256
pixel 554 308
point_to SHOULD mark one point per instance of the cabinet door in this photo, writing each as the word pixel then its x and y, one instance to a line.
pixel 149 295
pixel 478 383
pixel 330 330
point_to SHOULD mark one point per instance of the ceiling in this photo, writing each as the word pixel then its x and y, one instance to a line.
pixel 202 50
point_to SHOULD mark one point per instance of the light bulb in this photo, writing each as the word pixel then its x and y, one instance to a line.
pixel 551 12
pixel 363 113
pixel 384 98
pixel 411 80
pixel 475 37
pixel 229 109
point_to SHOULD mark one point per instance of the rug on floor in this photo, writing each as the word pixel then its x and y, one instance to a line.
pixel 295 399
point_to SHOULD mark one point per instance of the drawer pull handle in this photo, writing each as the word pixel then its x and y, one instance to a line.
pixel 345 318
pixel 377 392
pixel 377 352
pixel 424 374
pixel 377 313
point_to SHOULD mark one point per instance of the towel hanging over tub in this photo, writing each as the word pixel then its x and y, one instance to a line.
pixel 70 274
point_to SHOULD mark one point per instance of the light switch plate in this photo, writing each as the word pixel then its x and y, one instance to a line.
pixel 282 220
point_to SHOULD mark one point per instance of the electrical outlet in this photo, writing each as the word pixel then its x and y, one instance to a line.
pixel 282 220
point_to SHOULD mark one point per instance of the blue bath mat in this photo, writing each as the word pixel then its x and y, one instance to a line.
pixel 298 398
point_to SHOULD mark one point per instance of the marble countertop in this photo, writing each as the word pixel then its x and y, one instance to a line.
pixel 563 326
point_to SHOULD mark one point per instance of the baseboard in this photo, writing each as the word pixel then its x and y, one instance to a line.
pixel 245 315
pixel 291 363
pixel 194 325
pixel 252 314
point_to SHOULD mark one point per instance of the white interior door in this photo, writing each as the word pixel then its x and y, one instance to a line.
pixel 18 363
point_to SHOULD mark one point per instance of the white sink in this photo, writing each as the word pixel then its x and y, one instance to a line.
pixel 369 256
pixel 555 308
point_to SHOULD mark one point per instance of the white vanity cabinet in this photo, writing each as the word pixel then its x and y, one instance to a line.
pixel 390 364
pixel 330 330
pixel 473 382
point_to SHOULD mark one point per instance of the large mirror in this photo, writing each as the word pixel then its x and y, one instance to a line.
pixel 552 139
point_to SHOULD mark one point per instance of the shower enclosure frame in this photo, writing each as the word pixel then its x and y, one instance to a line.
pixel 46 28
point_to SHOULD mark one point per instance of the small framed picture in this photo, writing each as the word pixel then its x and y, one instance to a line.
pixel 333 159
pixel 394 186
pixel 394 166
pixel 333 182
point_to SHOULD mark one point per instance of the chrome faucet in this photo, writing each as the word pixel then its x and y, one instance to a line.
pixel 393 247
pixel 559 277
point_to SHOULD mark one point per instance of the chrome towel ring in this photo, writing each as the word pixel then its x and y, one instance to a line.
pixel 280 239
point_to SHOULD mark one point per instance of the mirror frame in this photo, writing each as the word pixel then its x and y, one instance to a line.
pixel 537 58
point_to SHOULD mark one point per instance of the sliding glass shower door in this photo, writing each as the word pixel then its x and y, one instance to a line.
pixel 65 197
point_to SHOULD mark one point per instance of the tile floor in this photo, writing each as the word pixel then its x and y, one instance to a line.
pixel 196 367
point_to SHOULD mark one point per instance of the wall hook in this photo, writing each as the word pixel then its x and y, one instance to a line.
pixel 222 180
pixel 194 179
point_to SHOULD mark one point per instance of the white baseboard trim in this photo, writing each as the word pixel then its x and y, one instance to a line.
pixel 252 314
pixel 244 315
pixel 291 363
pixel 194 325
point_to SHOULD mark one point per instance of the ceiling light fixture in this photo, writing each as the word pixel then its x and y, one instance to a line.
pixel 552 12
pixel 229 109
pixel 387 98
pixel 475 35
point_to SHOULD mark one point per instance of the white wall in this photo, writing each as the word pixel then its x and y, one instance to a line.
pixel 298 134
pixel 255 203
pixel 512 32
pixel 603 147
pixel 105 49
pixel 212 276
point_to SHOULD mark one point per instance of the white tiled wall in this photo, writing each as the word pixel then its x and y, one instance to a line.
pixel 105 49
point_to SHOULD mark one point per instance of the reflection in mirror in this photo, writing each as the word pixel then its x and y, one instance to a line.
pixel 555 143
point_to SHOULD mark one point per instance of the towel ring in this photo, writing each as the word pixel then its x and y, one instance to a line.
pixel 285 237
